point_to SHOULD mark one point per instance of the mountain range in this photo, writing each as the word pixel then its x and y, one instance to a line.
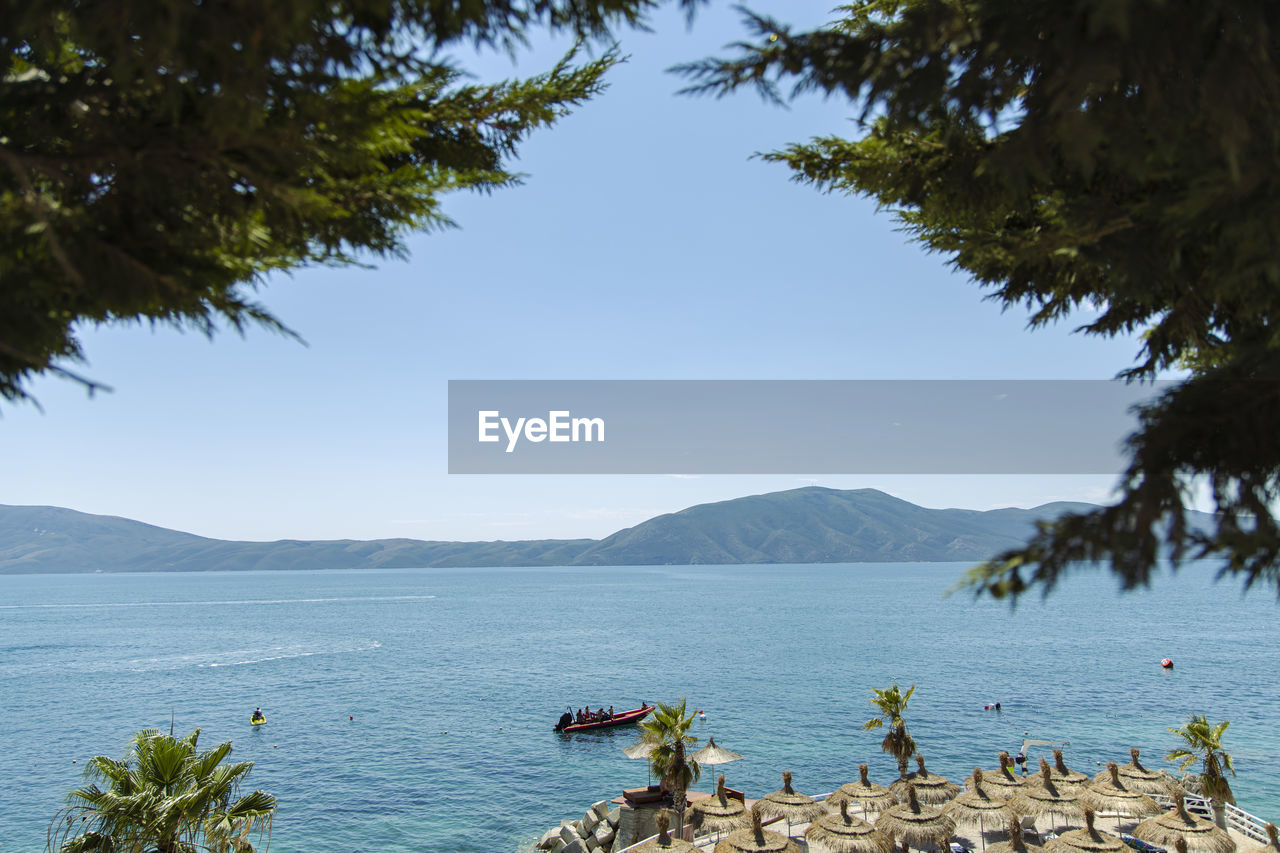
pixel 807 525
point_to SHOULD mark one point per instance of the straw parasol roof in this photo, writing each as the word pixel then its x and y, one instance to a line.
pixel 1063 776
pixel 714 754
pixel 915 824
pixel 1016 843
pixel 843 833
pixel 1116 796
pixel 1200 836
pixel 872 797
pixel 787 803
pixel 979 807
pixel 1046 798
pixel 640 749
pixel 1273 844
pixel 1138 778
pixel 1087 840
pixel 664 843
pixel 930 787
pixel 756 839
pixel 719 811
pixel 1001 781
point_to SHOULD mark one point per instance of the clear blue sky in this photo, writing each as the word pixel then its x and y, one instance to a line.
pixel 645 244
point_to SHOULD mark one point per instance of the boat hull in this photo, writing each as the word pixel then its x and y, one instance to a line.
pixel 625 718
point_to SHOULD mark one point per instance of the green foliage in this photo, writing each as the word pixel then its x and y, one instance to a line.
pixel 1113 159
pixel 164 796
pixel 159 159
pixel 667 728
pixel 1203 742
pixel 892 706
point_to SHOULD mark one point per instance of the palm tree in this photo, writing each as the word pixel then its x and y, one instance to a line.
pixel 1203 743
pixel 898 743
pixel 163 797
pixel 668 730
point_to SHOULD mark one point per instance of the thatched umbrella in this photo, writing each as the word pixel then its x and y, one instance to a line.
pixel 719 812
pixel 1016 843
pixel 872 797
pixel 1272 845
pixel 1001 781
pixel 713 754
pixel 790 805
pixel 1116 796
pixel 1063 776
pixel 976 807
pixel 1047 797
pixel 641 749
pixel 843 833
pixel 1200 836
pixel 664 843
pixel 756 839
pixel 1138 778
pixel 1087 840
pixel 915 824
pixel 930 787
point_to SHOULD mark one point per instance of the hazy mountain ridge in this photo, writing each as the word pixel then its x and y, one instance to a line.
pixel 808 525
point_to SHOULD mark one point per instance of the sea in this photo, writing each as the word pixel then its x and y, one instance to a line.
pixel 412 710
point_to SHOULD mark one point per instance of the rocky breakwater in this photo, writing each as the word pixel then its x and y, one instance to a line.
pixel 595 831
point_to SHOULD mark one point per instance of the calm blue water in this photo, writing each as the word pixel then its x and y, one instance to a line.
pixel 455 677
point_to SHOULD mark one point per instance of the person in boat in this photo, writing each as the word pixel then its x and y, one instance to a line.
pixel 566 719
pixel 257 715
pixel 609 714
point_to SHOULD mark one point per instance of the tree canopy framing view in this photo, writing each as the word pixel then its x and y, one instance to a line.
pixel 1115 162
pixel 1119 159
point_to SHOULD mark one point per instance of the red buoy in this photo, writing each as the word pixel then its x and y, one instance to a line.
pixel 1166 663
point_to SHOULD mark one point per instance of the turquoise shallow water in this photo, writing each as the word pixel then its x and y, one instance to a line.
pixel 455 677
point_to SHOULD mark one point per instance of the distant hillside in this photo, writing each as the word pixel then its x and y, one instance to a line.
pixel 816 525
pixel 809 525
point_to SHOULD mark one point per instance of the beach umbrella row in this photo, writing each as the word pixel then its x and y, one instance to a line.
pixel 997 796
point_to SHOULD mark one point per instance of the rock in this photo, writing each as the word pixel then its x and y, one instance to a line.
pixel 569 835
pixel 601 809
pixel 614 817
pixel 591 842
pixel 577 846
pixel 558 847
pixel 549 838
pixel 604 834
pixel 589 821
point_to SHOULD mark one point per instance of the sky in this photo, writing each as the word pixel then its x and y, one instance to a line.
pixel 645 243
